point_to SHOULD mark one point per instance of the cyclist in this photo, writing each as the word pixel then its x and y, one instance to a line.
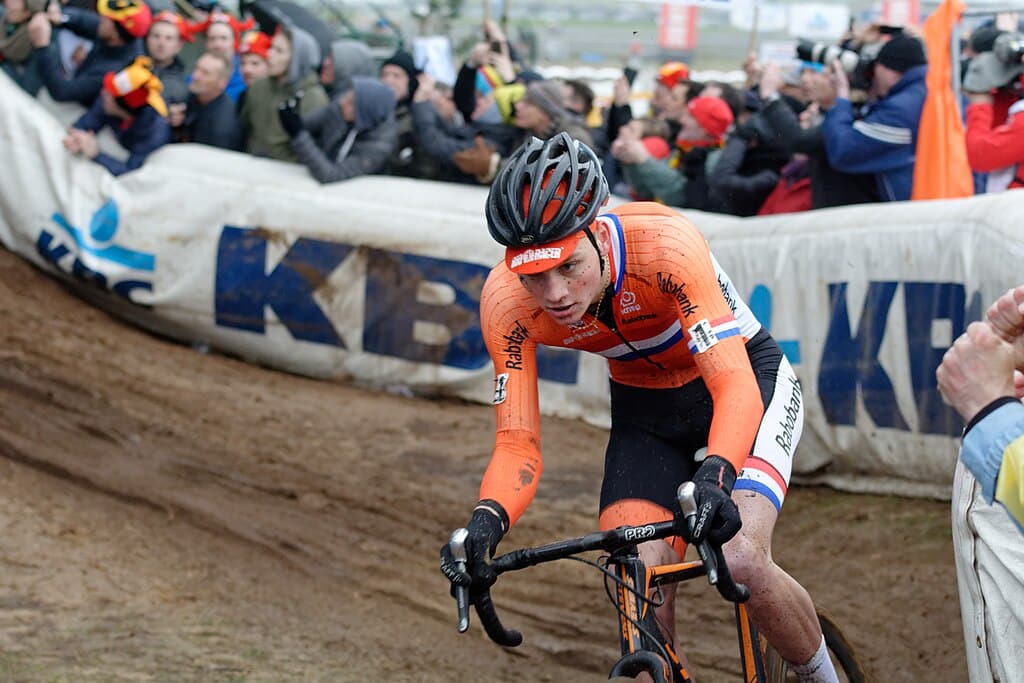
pixel 699 390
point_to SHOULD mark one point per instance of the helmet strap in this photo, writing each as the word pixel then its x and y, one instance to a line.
pixel 593 240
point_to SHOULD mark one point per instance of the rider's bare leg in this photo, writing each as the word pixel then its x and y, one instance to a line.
pixel 779 606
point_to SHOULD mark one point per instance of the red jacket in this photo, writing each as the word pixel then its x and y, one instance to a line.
pixel 993 145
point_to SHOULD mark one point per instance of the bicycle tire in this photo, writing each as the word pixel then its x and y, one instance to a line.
pixel 840 650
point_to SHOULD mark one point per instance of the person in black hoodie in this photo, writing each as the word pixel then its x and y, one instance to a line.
pixel 355 134
pixel 749 166
pixel 116 30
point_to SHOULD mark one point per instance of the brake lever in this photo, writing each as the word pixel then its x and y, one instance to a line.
pixel 689 506
pixel 457 545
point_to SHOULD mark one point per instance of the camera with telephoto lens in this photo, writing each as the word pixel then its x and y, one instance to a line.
pixel 858 64
pixel 823 53
pixel 1009 48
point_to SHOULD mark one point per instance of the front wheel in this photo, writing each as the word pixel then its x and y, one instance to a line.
pixel 839 649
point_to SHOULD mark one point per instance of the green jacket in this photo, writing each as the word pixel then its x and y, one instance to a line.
pixel 264 135
pixel 657 180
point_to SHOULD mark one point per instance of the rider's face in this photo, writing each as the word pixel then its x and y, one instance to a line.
pixel 567 290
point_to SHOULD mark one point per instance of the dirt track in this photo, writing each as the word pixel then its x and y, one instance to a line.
pixel 168 515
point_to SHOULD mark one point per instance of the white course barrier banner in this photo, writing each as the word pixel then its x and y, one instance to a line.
pixel 378 279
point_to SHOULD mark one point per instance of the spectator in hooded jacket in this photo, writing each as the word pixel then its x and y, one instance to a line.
pixel 116 29
pixel 166 37
pixel 211 118
pixel 17 59
pixel 353 135
pixel 131 105
pixel 347 58
pixel 293 58
pixel 884 140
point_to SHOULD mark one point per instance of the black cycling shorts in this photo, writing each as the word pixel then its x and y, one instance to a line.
pixel 658 436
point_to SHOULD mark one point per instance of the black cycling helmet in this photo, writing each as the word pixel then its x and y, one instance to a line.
pixel 548 189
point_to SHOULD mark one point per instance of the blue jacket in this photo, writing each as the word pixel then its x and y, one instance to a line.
pixel 993 450
pixel 145 134
pixel 884 141
pixel 236 84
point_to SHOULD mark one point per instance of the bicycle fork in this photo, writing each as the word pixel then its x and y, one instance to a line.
pixel 750 647
pixel 643 645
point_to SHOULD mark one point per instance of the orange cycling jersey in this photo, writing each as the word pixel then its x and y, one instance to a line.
pixel 677 317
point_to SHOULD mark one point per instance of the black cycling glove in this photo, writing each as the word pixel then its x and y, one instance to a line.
pixel 718 518
pixel 288 113
pixel 486 528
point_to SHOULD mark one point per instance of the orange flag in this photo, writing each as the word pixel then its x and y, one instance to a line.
pixel 941 170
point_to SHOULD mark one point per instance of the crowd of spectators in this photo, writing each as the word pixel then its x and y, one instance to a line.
pixel 828 132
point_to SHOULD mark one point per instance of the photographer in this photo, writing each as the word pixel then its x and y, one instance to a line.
pixel 883 141
pixel 829 186
pixel 995 142
pixel 16 56
pixel 496 52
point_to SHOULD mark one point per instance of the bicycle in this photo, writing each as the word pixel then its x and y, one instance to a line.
pixel 643 647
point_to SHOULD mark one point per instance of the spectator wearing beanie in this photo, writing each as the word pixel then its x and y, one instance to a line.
pixel 672 89
pixel 132 106
pixel 399 73
pixel 293 57
pixel 253 61
pixel 17 58
pixel 167 35
pixel 409 159
pixel 884 140
pixel 683 180
pixel 116 29
pixel 252 57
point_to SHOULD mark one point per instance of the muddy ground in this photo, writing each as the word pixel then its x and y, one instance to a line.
pixel 170 515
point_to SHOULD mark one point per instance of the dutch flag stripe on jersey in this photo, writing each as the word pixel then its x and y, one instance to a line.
pixel 706 334
pixel 648 347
